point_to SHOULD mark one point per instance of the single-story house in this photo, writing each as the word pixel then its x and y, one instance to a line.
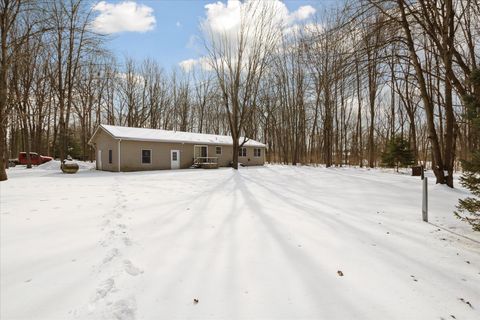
pixel 133 149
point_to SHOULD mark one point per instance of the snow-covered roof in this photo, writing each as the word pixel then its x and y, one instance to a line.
pixel 144 134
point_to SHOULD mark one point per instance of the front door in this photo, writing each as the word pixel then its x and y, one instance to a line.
pixel 175 159
pixel 99 160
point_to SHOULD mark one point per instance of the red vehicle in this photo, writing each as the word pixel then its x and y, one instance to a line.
pixel 34 157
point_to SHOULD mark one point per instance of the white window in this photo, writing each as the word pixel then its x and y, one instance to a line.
pixel 242 152
pixel 218 150
pixel 257 152
pixel 146 156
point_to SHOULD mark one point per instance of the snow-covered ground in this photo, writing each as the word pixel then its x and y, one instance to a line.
pixel 261 243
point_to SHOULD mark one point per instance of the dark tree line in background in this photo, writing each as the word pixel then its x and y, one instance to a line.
pixel 336 92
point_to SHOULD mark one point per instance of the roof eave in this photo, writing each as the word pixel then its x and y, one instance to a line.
pixel 185 141
pixel 259 145
pixel 90 142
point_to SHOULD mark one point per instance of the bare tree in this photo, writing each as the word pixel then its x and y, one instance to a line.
pixel 239 59
pixel 71 38
pixel 15 29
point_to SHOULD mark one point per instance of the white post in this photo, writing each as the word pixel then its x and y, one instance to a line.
pixel 425 200
pixel 119 154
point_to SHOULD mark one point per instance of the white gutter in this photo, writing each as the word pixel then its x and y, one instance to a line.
pixel 119 140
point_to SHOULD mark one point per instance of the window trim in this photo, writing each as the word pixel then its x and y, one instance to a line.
pixel 141 157
pixel 240 154
pixel 221 150
pixel 259 153
pixel 110 156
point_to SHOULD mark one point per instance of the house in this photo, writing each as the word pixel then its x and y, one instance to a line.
pixel 135 149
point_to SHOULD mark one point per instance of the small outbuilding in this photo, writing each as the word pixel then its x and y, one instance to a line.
pixel 135 149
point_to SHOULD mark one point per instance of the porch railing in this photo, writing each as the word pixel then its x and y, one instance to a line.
pixel 202 160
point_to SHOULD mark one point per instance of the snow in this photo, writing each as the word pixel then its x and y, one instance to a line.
pixel 55 165
pixel 261 243
pixel 144 134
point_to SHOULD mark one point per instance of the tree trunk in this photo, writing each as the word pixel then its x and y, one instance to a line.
pixel 235 152
pixel 437 161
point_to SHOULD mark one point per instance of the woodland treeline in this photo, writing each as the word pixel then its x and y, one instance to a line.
pixel 334 91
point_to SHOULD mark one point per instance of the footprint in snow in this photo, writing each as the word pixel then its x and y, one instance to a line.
pixel 102 291
pixel 104 243
pixel 127 241
pixel 131 269
pixel 111 255
pixel 125 309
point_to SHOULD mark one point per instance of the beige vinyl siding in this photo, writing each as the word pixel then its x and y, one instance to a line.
pixel 250 160
pixel 105 142
pixel 131 154
pixel 225 158
pixel 132 161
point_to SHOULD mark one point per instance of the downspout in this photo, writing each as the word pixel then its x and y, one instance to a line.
pixel 119 145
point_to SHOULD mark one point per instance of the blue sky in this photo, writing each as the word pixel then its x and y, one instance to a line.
pixel 169 39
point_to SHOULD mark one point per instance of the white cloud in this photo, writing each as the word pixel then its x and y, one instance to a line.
pixel 189 64
pixel 178 24
pixel 226 22
pixel 126 16
pixel 307 28
pixel 223 19
pixel 302 13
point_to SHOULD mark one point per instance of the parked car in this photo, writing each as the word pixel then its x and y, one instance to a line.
pixel 34 157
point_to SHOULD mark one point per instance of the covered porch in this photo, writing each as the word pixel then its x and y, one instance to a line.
pixel 201 158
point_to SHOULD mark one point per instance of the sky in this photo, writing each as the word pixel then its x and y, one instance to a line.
pixel 169 30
